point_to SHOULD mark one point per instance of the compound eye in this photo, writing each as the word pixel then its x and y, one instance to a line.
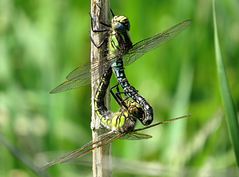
pixel 127 26
pixel 139 113
pixel 120 27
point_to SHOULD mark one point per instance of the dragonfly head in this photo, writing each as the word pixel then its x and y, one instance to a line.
pixel 120 23
pixel 135 110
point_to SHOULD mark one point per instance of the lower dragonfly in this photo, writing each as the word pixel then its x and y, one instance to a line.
pixel 121 121
pixel 121 124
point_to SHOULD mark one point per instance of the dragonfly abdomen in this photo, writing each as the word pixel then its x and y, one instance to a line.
pixel 119 121
pixel 130 91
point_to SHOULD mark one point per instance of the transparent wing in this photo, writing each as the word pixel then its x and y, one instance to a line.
pixel 146 45
pixel 103 140
pixel 81 76
pixel 78 77
pixel 159 123
pixel 80 72
pixel 136 136
pixel 87 148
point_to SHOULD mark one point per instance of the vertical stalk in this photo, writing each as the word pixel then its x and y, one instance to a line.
pixel 101 156
pixel 227 100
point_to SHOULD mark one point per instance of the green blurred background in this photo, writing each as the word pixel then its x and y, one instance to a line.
pixel 42 41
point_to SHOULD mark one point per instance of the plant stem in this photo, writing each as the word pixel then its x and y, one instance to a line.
pixel 101 156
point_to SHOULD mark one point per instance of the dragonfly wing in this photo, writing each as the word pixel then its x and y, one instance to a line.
pixel 103 140
pixel 136 136
pixel 78 77
pixel 146 45
pixel 72 84
pixel 81 76
pixel 79 72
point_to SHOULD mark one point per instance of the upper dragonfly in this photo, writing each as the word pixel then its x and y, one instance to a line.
pixel 81 75
pixel 118 42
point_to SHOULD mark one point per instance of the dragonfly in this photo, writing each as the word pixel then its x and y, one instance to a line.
pixel 123 120
pixel 105 139
pixel 121 52
pixel 119 42
pixel 82 74
pixel 121 124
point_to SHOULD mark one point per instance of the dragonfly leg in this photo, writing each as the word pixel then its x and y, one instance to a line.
pixel 112 13
pixel 99 30
pixel 102 23
pixel 119 93
pixel 106 25
pixel 100 44
pixel 122 93
pixel 117 99
pixel 117 96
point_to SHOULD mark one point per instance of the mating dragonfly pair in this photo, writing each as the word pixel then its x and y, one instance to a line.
pixel 120 52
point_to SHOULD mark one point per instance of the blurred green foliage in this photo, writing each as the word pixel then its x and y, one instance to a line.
pixel 42 41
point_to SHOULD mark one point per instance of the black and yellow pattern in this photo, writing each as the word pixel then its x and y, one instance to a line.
pixel 121 121
pixel 118 44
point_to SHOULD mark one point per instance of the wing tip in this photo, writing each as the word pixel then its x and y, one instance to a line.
pixel 56 89
pixel 53 91
pixel 187 21
pixel 60 88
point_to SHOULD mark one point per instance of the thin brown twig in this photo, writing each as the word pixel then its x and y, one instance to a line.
pixel 101 155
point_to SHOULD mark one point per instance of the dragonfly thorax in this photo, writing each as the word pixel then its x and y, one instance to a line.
pixel 129 123
pixel 119 41
pixel 120 23
pixel 128 116
pixel 135 110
